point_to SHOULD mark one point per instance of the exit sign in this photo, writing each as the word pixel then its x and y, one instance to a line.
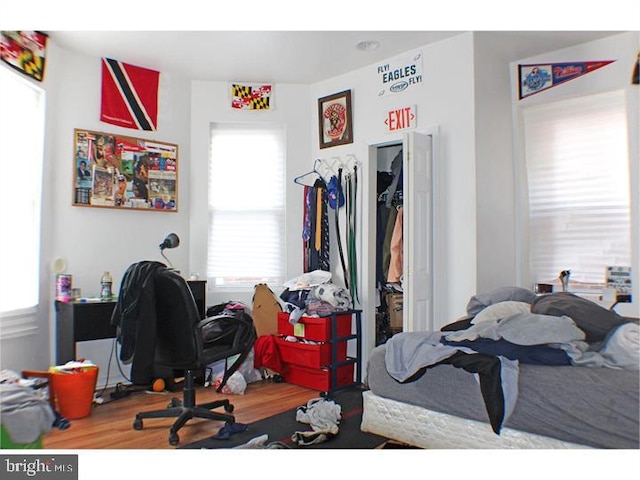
pixel 401 118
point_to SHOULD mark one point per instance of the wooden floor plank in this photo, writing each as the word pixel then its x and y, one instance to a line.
pixel 110 425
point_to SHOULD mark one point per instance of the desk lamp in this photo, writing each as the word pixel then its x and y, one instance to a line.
pixel 171 241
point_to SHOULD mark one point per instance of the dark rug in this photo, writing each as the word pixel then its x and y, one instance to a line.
pixel 279 428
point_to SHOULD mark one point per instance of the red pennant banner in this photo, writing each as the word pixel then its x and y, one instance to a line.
pixel 129 95
pixel 538 77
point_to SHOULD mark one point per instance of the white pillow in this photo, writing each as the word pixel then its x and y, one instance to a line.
pixel 501 310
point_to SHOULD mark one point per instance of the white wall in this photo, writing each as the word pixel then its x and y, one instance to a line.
pixel 445 99
pixel 92 240
pixel 623 49
pixel 495 213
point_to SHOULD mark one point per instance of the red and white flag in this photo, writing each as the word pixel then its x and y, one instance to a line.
pixel 129 95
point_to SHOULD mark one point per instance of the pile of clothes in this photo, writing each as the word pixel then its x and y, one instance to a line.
pixel 314 294
pixel 26 413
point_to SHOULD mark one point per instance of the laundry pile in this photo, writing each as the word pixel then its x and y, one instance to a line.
pixel 323 416
pixel 26 414
pixel 314 294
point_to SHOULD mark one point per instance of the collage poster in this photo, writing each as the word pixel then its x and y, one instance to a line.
pixel 124 172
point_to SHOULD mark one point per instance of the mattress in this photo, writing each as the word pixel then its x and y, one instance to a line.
pixel 596 407
pixel 425 428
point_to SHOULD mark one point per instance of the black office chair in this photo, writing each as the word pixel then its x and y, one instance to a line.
pixel 186 344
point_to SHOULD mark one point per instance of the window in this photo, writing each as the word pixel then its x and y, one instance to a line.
pixel 577 166
pixel 246 205
pixel 21 152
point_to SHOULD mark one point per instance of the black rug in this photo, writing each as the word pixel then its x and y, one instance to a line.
pixel 279 428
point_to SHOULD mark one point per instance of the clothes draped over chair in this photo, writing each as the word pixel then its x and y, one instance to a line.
pixel 135 318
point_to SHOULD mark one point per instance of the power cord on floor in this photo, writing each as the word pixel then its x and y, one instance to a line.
pixel 121 390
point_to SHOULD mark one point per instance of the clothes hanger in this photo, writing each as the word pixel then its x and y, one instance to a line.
pixel 299 179
pixel 352 162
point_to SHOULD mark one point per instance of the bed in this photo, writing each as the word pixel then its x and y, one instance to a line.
pixel 575 386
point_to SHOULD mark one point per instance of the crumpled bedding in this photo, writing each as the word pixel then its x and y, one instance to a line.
pixel 407 354
pixel 591 335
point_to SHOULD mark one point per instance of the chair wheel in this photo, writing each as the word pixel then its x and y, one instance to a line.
pixel 228 408
pixel 174 439
pixel 137 424
pixel 175 402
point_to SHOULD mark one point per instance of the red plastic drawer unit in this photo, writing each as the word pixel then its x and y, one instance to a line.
pixel 317 379
pixel 308 355
pixel 317 329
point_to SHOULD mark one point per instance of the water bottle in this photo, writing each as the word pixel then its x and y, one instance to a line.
pixel 105 286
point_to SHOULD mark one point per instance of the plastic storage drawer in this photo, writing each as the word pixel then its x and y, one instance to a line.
pixel 315 378
pixel 317 329
pixel 309 355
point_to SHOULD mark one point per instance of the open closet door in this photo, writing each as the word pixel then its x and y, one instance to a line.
pixel 418 232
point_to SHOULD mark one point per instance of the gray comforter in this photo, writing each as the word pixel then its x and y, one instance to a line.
pixel 594 399
pixel 598 407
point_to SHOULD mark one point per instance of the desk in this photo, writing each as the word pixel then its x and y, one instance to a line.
pixel 82 321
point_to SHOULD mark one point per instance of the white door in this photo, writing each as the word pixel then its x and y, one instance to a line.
pixel 418 232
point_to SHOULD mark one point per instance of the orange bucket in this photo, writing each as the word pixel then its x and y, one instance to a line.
pixel 73 392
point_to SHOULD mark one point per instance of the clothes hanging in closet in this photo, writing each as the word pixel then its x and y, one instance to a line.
pixel 396 250
pixel 382 215
pixel 390 194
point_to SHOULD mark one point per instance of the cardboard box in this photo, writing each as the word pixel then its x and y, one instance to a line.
pixel 317 329
pixel 309 355
pixel 396 305
pixel 317 379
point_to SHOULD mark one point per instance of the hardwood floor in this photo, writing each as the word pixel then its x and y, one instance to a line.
pixel 110 425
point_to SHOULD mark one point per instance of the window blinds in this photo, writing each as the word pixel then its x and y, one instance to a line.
pixel 578 179
pixel 246 205
pixel 21 164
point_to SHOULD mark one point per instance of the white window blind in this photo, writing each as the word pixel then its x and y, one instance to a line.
pixel 21 152
pixel 577 166
pixel 246 205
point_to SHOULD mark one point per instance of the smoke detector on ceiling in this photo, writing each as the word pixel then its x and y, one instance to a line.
pixel 368 45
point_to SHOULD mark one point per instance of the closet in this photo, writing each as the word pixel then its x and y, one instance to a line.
pixel 389 241
pixel 416 304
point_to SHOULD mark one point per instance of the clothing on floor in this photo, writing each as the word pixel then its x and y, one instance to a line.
pixel 25 415
pixel 323 416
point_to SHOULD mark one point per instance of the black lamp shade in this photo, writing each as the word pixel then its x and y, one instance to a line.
pixel 171 241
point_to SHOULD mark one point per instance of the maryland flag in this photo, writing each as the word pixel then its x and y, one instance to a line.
pixel 129 95
pixel 250 97
pixel 24 51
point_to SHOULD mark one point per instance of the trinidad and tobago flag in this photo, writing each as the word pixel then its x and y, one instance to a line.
pixel 129 95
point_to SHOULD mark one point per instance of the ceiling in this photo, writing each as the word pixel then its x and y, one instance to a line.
pixel 287 56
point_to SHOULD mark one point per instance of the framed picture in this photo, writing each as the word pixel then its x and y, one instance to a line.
pixel 334 119
pixel 118 171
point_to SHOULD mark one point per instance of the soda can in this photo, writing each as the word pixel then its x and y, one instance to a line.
pixel 63 287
